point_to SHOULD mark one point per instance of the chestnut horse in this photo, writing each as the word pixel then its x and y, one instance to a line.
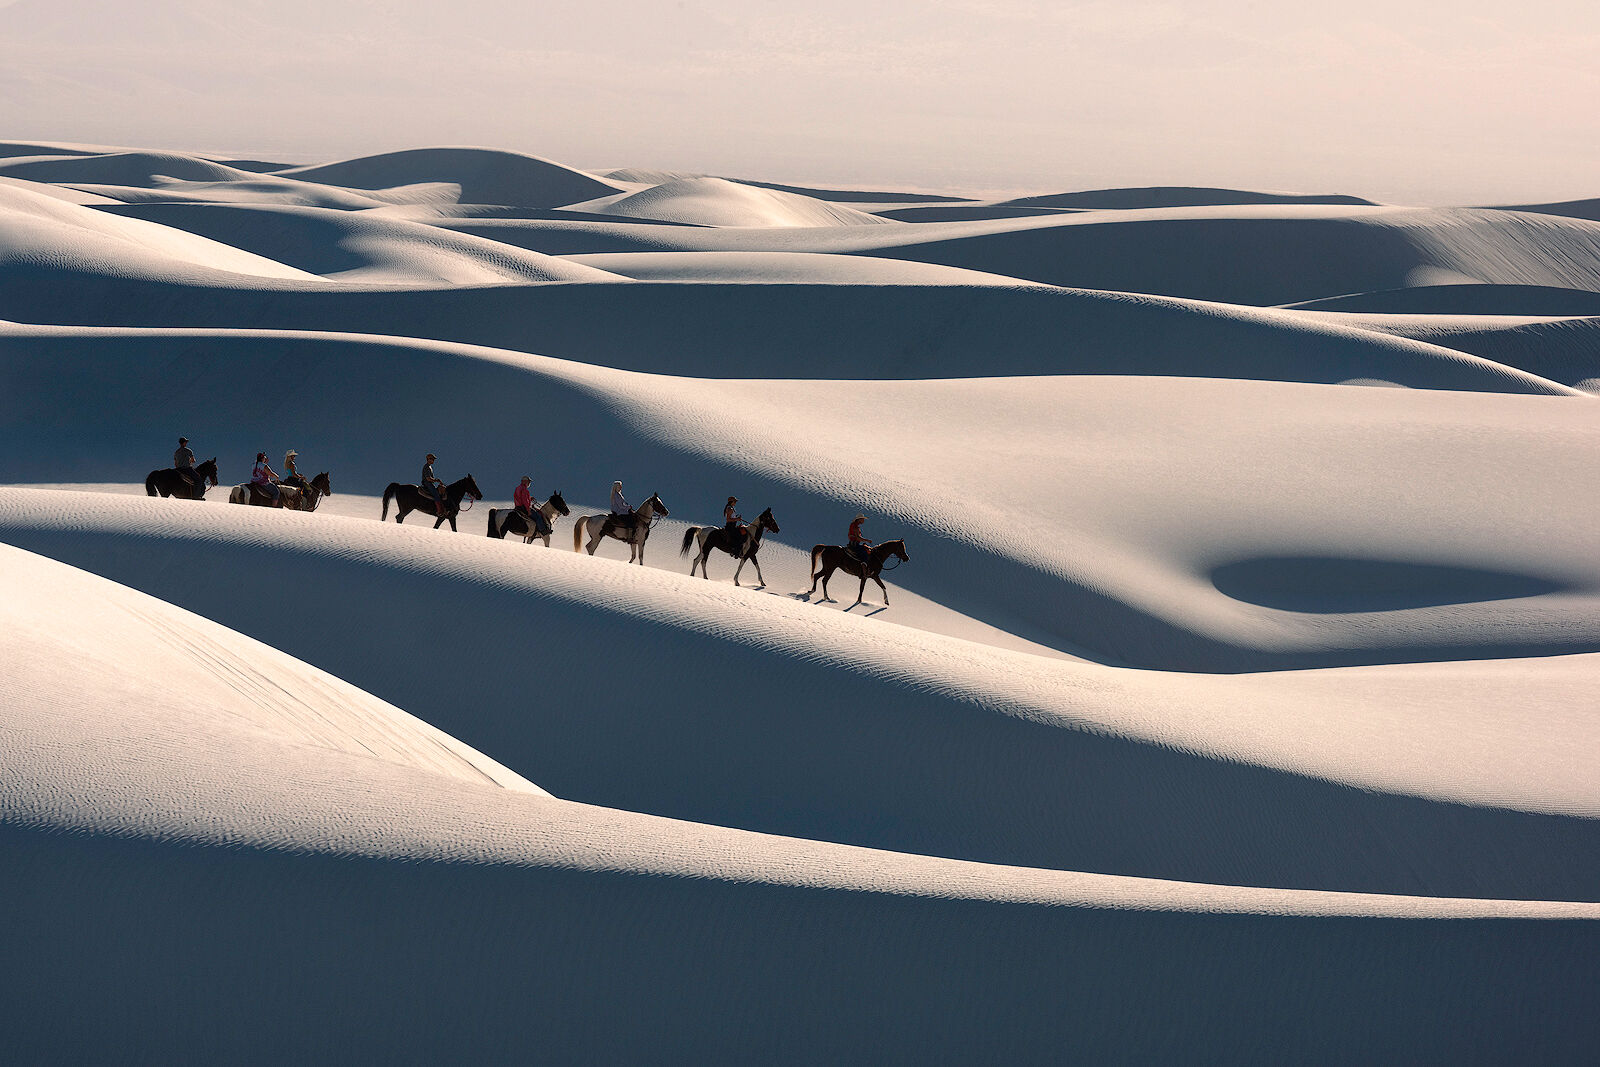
pixel 836 558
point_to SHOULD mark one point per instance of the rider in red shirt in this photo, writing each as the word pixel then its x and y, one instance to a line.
pixel 523 499
pixel 858 540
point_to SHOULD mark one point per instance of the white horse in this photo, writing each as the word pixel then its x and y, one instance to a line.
pixel 634 529
pixel 502 522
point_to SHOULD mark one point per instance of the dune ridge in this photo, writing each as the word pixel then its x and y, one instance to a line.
pixel 1233 701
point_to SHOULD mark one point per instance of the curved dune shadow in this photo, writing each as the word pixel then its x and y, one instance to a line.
pixel 1328 585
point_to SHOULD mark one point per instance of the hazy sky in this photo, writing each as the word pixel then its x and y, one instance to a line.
pixel 1393 99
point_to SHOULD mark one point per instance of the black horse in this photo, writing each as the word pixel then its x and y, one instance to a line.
pixel 502 522
pixel 835 558
pixel 173 482
pixel 741 544
pixel 408 498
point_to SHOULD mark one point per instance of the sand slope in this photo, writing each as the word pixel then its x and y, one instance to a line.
pixel 1234 703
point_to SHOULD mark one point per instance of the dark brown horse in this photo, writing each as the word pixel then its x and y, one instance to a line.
pixel 172 482
pixel 836 558
pixel 742 545
pixel 408 498
pixel 502 522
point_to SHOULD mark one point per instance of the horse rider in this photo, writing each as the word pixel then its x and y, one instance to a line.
pixel 858 541
pixel 432 488
pixel 183 463
pixel 621 517
pixel 733 522
pixel 264 479
pixel 293 476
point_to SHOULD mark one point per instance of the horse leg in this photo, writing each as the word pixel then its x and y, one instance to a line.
pixel 861 592
pixel 762 578
pixel 880 586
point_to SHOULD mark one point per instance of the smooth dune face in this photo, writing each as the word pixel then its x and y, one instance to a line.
pixel 1238 682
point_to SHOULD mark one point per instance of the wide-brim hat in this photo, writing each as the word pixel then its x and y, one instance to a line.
pixel 183 440
pixel 431 456
pixel 860 517
pixel 291 452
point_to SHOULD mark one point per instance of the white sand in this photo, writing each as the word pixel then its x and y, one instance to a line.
pixel 1222 711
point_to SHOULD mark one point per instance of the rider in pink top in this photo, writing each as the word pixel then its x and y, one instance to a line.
pixel 266 479
pixel 523 499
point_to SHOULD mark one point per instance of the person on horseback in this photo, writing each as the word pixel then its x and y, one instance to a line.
pixel 733 522
pixel 183 463
pixel 859 544
pixel 265 480
pixel 431 487
pixel 522 498
pixel 619 503
pixel 293 476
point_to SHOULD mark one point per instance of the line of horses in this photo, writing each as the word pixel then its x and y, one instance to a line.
pixel 743 543
pixel 178 483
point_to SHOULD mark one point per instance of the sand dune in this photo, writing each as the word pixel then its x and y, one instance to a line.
pixel 363 248
pixel 485 177
pixel 716 202
pixel 47 241
pixel 1033 509
pixel 267 876
pixel 1262 255
pixel 1226 708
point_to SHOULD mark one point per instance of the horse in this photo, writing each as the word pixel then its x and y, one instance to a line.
pixel 744 545
pixel 171 481
pixel 835 558
pixel 502 521
pixel 408 498
pixel 297 498
pixel 289 496
pixel 634 529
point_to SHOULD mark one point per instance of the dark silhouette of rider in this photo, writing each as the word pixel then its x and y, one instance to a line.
pixel 183 463
pixel 432 487
pixel 733 522
pixel 858 541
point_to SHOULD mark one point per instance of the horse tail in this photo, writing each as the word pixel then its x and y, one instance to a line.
pixel 577 532
pixel 688 539
pixel 388 495
pixel 816 550
pixel 150 484
pixel 491 525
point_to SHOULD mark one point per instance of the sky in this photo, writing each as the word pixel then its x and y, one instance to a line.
pixel 1399 101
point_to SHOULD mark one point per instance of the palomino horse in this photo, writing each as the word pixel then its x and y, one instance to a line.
pixel 171 482
pixel 835 558
pixel 634 529
pixel 742 545
pixel 502 522
pixel 408 498
pixel 289 496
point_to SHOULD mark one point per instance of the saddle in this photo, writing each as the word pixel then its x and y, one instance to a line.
pixel 627 524
pixel 258 494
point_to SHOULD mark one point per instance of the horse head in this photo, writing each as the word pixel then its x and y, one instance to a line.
pixel 208 470
pixel 559 503
pixel 656 506
pixel 471 487
pixel 895 548
pixel 766 521
pixel 321 484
